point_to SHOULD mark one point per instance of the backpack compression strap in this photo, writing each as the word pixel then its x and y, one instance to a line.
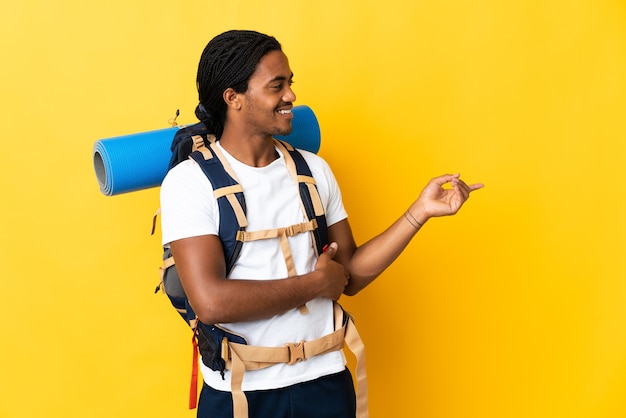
pixel 241 357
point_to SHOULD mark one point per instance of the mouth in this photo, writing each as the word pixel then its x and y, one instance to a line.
pixel 285 117
pixel 285 109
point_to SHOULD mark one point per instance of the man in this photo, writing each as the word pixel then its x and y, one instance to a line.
pixel 244 84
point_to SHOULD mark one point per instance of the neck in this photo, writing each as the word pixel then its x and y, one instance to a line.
pixel 253 151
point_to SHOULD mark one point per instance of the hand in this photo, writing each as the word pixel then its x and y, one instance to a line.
pixel 334 276
pixel 435 200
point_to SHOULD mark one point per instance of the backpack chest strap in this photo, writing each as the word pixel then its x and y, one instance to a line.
pixel 288 231
pixel 283 234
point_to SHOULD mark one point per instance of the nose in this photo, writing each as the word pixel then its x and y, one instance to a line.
pixel 289 95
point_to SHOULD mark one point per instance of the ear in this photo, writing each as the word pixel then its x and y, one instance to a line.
pixel 232 98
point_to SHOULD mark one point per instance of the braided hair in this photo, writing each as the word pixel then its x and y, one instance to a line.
pixel 228 61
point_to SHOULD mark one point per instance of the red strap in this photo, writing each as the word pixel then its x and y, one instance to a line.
pixel 193 390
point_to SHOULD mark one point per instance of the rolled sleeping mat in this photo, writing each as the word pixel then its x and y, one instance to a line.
pixel 139 161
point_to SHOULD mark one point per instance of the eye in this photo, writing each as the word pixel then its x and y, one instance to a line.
pixel 281 85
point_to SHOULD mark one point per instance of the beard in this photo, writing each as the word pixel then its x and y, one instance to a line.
pixel 282 131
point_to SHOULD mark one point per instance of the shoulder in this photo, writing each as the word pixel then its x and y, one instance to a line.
pixel 188 205
pixel 327 186
pixel 186 172
pixel 319 167
pixel 185 182
pixel 311 158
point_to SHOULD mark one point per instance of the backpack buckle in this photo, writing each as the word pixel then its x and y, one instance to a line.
pixel 296 352
pixel 293 230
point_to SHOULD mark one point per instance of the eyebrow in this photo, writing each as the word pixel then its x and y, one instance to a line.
pixel 280 78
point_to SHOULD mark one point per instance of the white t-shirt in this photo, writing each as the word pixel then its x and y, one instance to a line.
pixel 189 209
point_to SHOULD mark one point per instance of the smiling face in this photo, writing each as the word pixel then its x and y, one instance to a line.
pixel 267 103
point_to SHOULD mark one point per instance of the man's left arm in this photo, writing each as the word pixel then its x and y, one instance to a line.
pixel 366 262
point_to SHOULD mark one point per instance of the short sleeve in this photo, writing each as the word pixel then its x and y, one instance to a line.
pixel 188 207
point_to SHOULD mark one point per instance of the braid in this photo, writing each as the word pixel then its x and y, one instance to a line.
pixel 227 61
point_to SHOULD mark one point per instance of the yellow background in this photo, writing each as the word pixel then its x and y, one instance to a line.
pixel 513 308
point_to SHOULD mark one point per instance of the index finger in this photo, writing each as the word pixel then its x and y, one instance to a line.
pixel 457 180
pixel 475 186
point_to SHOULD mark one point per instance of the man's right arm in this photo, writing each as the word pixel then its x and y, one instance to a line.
pixel 217 299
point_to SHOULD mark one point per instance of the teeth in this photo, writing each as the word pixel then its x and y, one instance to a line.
pixel 284 112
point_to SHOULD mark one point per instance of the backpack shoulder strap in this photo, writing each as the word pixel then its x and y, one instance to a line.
pixel 309 195
pixel 229 196
pixel 231 202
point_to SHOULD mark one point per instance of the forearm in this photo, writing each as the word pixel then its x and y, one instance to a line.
pixel 372 258
pixel 233 300
pixel 368 261
pixel 217 299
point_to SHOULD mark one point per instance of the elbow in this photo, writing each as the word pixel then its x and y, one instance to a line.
pixel 208 312
pixel 358 283
pixel 206 316
pixel 350 292
pixel 352 288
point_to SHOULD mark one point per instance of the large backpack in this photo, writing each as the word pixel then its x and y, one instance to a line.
pixel 220 348
pixel 195 142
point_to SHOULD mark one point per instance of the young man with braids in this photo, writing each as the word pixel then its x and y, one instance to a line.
pixel 245 93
